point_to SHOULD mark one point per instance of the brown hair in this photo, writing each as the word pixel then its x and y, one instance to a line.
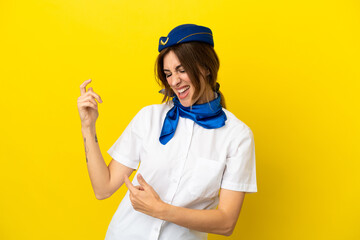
pixel 194 57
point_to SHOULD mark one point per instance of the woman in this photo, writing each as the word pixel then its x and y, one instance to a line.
pixel 194 154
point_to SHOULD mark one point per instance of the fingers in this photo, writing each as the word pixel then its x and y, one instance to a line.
pixel 87 101
pixel 142 181
pixel 87 98
pixel 141 188
pixel 83 86
pixel 128 184
pixel 90 96
pixel 90 90
pixel 89 104
pixel 92 93
pixel 133 188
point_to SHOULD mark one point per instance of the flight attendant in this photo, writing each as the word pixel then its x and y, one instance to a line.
pixel 195 159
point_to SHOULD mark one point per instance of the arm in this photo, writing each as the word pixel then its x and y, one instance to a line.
pixel 219 221
pixel 105 180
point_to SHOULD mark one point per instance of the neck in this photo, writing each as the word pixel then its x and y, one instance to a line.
pixel 206 97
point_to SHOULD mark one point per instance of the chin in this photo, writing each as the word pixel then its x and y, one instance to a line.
pixel 185 104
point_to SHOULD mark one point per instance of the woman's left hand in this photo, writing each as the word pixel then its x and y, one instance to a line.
pixel 143 197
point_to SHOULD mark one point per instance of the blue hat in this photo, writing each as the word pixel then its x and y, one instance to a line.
pixel 186 33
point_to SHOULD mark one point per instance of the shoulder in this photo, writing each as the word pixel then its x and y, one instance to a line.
pixel 150 117
pixel 157 107
pixel 239 135
pixel 154 110
pixel 234 125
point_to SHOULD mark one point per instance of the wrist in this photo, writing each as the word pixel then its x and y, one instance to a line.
pixel 88 129
pixel 163 210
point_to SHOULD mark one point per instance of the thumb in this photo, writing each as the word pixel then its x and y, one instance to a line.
pixel 142 181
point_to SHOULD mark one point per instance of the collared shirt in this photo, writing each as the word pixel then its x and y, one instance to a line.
pixel 188 171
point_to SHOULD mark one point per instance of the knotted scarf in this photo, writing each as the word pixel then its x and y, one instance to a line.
pixel 208 115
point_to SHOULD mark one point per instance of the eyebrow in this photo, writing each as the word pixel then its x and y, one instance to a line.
pixel 179 66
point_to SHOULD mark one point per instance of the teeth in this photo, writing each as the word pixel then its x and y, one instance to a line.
pixel 183 90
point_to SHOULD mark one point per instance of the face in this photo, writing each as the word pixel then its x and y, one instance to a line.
pixel 178 79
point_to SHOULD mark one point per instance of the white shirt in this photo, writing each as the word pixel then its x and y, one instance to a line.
pixel 188 171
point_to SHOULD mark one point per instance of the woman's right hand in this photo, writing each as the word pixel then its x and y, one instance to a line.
pixel 87 105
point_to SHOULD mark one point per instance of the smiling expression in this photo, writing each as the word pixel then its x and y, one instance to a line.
pixel 178 79
pixel 181 84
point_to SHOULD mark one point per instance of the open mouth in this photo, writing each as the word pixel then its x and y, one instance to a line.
pixel 183 92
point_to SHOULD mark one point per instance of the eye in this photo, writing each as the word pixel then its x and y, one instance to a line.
pixel 167 75
pixel 182 70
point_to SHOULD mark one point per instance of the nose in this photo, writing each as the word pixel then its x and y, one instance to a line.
pixel 175 80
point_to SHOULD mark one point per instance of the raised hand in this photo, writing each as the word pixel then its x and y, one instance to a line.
pixel 87 106
pixel 144 198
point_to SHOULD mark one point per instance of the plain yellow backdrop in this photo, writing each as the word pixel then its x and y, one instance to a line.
pixel 289 70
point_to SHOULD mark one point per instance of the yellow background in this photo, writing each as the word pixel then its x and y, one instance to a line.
pixel 289 70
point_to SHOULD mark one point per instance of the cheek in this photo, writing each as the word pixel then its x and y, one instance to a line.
pixel 168 82
pixel 187 79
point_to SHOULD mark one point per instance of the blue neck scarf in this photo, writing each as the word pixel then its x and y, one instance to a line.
pixel 208 115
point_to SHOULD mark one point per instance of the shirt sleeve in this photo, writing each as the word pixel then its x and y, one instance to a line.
pixel 240 169
pixel 126 149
